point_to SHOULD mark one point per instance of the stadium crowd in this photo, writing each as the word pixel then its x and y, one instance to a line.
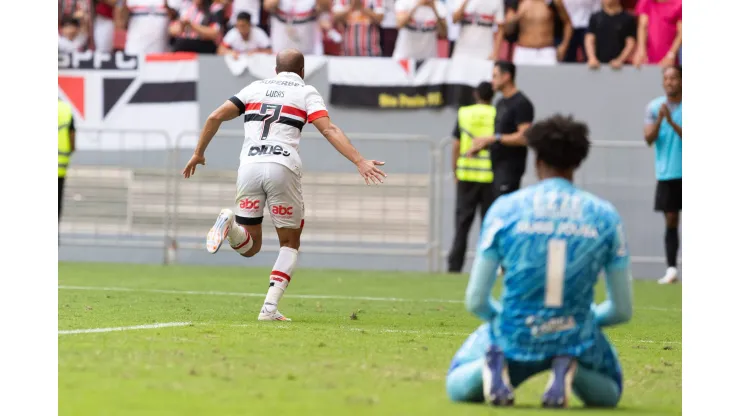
pixel 613 32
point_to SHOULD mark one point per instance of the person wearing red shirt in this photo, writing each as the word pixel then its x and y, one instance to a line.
pixel 658 32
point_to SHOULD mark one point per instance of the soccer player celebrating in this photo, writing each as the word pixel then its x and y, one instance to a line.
pixel 552 240
pixel 275 111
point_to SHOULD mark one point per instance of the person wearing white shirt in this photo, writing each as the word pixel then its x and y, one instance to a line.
pixel 420 23
pixel 250 6
pixel 147 23
pixel 244 38
pixel 580 12
pixel 478 19
pixel 72 37
pixel 295 24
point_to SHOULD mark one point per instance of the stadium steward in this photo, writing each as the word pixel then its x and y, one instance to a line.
pixel 473 173
pixel 66 146
pixel 552 240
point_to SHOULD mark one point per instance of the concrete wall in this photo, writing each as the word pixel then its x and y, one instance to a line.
pixel 620 167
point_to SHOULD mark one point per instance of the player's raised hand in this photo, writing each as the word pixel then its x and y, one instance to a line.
pixel 190 167
pixel 369 171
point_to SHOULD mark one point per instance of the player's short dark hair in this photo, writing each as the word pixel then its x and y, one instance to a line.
pixel 677 68
pixel 69 20
pixel 244 16
pixel 559 141
pixel 507 67
pixel 485 91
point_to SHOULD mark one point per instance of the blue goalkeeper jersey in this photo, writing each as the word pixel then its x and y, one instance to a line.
pixel 553 240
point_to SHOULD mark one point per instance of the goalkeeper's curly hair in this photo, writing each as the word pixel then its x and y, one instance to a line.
pixel 559 141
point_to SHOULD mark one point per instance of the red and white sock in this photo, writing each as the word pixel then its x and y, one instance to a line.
pixel 280 277
pixel 239 239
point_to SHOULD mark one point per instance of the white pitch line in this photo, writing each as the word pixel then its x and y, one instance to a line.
pixel 122 328
pixel 297 296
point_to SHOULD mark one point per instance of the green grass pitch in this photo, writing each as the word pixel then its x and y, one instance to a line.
pixel 360 343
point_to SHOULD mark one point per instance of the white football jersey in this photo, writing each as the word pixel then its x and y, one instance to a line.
pixel 275 111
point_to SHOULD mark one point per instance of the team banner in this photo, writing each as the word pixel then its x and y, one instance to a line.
pixel 262 65
pixel 111 93
pixel 406 83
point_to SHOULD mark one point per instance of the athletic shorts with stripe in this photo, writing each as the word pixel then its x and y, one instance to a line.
pixel 272 186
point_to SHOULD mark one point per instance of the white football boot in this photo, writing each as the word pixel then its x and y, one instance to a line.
pixel 274 315
pixel 220 230
pixel 671 276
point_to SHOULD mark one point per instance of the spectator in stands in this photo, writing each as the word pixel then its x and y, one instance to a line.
pixel 388 29
pixel 533 23
pixel 477 36
pixel 658 32
pixel 361 21
pixel 611 36
pixel 83 11
pixel 218 12
pixel 103 25
pixel 145 22
pixel 195 29
pixel 663 127
pixel 579 13
pixel 295 24
pixel 253 7
pixel 72 37
pixel 244 38
pixel 419 23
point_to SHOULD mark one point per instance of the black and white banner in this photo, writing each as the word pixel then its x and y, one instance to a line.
pixel 405 84
pixel 114 96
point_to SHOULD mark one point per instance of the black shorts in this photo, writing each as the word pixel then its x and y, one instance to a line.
pixel 668 195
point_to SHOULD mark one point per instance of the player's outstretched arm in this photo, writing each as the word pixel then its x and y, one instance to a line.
pixel 367 168
pixel 227 111
pixel 478 299
pixel 617 309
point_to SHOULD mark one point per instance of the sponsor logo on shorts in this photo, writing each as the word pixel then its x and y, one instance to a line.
pixel 282 211
pixel 249 205
pixel 267 149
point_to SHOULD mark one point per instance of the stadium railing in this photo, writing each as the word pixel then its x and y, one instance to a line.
pixel 118 189
pixel 125 189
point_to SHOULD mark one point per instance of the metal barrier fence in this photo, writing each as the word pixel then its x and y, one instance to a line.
pixel 129 192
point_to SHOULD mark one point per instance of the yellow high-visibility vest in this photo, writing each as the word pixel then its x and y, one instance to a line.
pixel 476 120
pixel 65 146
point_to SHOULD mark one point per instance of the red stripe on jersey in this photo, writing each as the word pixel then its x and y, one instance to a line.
pixel 294 111
pixel 285 110
pixel 317 114
pixel 279 274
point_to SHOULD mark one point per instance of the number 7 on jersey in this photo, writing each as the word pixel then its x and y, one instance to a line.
pixel 273 112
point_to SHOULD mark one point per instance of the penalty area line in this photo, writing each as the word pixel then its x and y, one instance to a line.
pixel 122 328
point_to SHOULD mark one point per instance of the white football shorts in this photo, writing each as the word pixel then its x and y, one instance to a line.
pixel 272 186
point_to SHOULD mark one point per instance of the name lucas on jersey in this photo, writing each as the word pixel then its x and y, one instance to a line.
pixel 275 94
pixel 267 149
